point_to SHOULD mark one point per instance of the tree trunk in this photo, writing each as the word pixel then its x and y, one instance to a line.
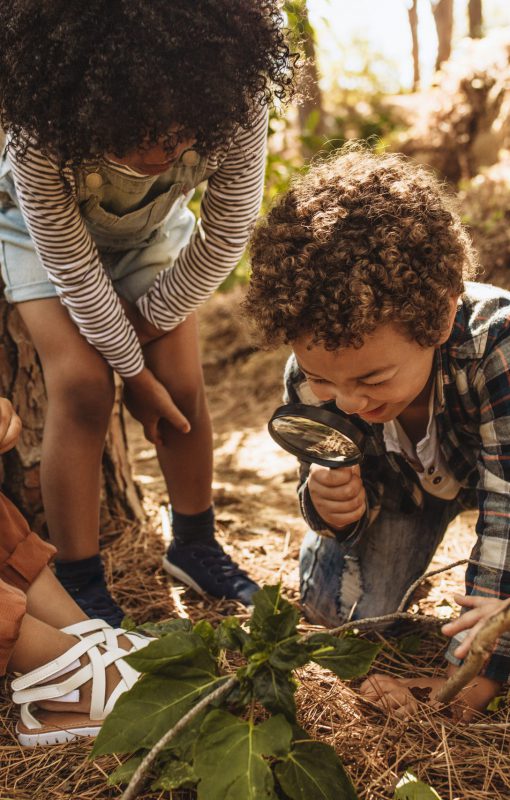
pixel 310 110
pixel 413 22
pixel 443 17
pixel 22 382
pixel 475 19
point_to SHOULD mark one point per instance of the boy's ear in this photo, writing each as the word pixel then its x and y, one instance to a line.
pixel 451 319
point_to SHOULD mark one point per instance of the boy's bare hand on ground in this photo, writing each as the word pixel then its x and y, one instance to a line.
pixel 481 608
pixel 10 425
pixel 404 696
pixel 338 495
pixel 150 403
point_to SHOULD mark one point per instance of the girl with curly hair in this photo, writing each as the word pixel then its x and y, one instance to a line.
pixel 115 112
pixel 363 266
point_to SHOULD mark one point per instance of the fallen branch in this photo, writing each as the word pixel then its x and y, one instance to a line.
pixel 138 777
pixel 479 652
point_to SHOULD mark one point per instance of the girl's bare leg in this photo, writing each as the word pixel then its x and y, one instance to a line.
pixel 186 462
pixel 186 459
pixel 80 392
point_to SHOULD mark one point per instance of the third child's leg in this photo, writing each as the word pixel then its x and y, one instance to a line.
pixel 186 461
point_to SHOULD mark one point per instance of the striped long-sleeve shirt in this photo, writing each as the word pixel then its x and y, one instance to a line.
pixel 65 247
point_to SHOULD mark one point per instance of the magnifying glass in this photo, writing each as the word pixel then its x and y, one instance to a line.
pixel 316 435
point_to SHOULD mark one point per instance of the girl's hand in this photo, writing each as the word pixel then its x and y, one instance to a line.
pixel 145 331
pixel 10 425
pixel 481 608
pixel 149 402
pixel 337 494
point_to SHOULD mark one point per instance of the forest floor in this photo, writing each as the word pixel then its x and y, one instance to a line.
pixel 260 525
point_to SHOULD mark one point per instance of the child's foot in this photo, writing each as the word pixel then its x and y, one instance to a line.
pixel 90 680
pixel 209 570
pixel 129 641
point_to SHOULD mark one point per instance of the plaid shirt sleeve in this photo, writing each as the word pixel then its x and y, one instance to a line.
pixel 491 577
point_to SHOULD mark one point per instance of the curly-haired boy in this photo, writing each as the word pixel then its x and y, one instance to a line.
pixel 361 267
pixel 115 113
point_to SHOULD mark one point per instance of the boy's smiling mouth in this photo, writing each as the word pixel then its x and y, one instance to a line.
pixel 375 413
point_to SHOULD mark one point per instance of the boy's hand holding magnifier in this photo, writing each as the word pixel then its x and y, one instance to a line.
pixel 338 494
pixel 334 449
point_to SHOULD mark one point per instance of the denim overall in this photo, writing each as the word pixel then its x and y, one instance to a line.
pixel 139 224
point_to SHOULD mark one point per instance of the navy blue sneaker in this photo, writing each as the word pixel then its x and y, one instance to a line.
pixel 209 570
pixel 95 600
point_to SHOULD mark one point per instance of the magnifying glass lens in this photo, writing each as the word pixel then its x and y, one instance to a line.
pixel 315 439
pixel 316 435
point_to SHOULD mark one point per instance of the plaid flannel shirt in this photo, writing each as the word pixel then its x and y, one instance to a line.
pixel 472 409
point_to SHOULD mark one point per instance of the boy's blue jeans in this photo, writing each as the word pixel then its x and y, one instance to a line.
pixel 373 573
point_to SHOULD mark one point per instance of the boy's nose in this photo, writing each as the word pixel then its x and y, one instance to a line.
pixel 351 404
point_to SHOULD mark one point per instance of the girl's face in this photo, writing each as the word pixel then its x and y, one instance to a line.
pixel 153 160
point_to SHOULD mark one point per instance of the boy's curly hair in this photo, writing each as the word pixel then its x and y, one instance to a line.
pixel 80 79
pixel 360 240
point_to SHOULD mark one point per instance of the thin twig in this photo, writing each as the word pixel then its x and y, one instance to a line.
pixel 384 621
pixel 432 572
pixel 136 781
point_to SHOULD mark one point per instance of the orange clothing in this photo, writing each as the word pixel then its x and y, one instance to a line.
pixel 23 555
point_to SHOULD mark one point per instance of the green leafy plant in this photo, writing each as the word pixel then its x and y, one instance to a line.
pixel 186 723
pixel 410 788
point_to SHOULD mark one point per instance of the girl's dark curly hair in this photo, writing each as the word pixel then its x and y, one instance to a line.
pixel 359 241
pixel 80 78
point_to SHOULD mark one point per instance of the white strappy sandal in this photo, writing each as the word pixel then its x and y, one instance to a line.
pixel 110 635
pixel 28 691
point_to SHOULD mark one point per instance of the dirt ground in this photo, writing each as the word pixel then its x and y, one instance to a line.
pixel 260 525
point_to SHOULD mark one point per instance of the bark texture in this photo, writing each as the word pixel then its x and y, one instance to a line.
pixel 21 380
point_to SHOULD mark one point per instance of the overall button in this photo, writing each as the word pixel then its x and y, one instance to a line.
pixel 94 181
pixel 437 480
pixel 431 470
pixel 190 158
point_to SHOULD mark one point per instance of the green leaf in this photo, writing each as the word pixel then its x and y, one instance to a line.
pixel 143 714
pixel 125 771
pixel 230 635
pixel 348 657
pixel 410 788
pixel 165 626
pixel 289 655
pixel 313 770
pixel 273 617
pixel 205 630
pixel 228 757
pixel 496 702
pixel 177 654
pixel 128 624
pixel 275 690
pixel 174 775
pixel 410 645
